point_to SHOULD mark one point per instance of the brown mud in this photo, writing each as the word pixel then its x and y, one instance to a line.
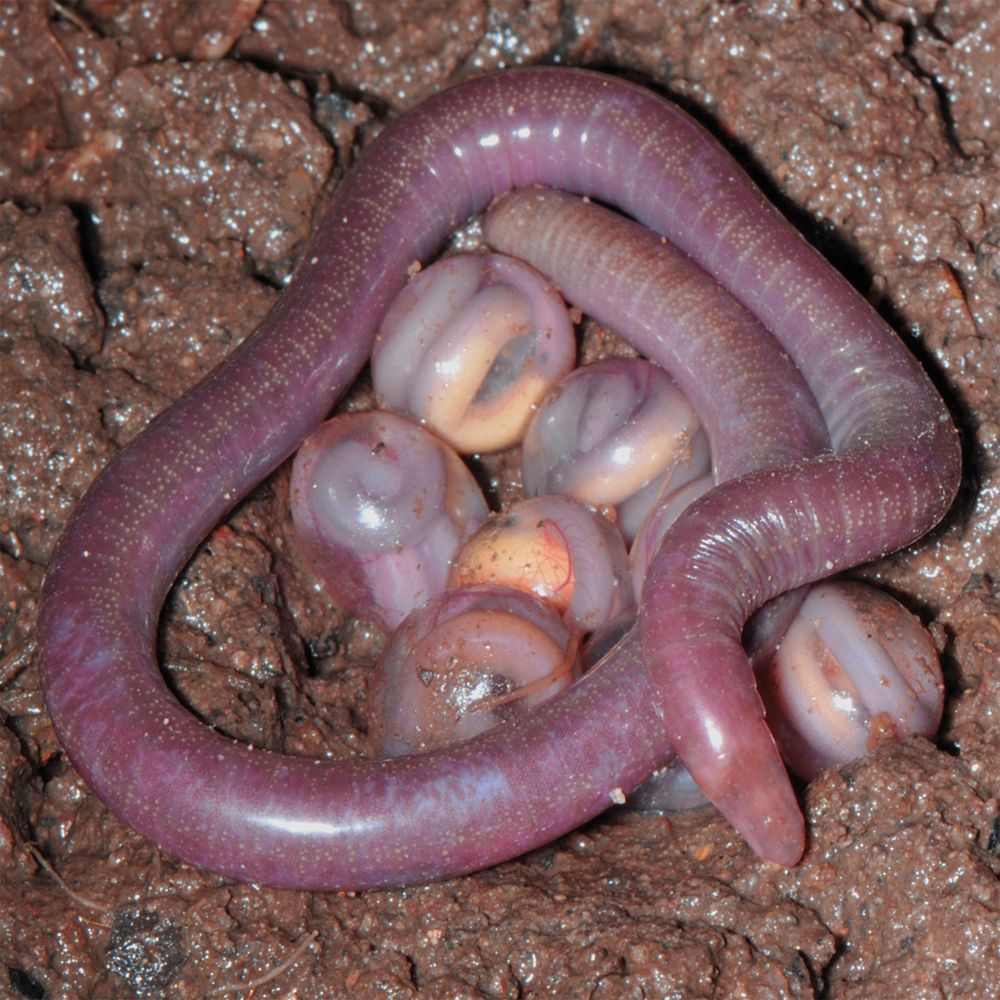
pixel 161 166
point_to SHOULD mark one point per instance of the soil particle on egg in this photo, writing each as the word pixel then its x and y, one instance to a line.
pixel 161 166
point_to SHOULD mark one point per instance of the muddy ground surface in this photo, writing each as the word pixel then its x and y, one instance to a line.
pixel 161 167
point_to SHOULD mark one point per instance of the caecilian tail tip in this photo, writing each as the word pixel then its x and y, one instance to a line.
pixel 770 820
pixel 761 805
pixel 783 845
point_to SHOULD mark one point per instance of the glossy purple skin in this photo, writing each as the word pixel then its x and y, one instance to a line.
pixel 851 670
pixel 779 523
pixel 288 821
pixel 754 404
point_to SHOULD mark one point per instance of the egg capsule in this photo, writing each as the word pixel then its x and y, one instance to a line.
pixel 470 346
pixel 853 670
pixel 469 660
pixel 380 507
pixel 610 432
pixel 559 551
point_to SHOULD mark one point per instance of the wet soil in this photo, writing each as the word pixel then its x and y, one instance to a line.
pixel 161 166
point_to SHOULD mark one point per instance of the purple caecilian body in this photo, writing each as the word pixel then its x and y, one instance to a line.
pixel 680 681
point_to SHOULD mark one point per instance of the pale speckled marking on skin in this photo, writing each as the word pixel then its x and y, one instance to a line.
pixel 345 825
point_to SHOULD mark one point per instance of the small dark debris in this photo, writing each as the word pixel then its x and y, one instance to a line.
pixel 546 859
pixel 993 844
pixel 145 950
pixel 52 768
pixel 263 586
pixel 320 650
pixel 25 985
pixel 797 969
pixel 325 646
pixel 801 969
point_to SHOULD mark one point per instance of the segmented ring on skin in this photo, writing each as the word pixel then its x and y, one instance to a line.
pixel 776 525
pixel 269 818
